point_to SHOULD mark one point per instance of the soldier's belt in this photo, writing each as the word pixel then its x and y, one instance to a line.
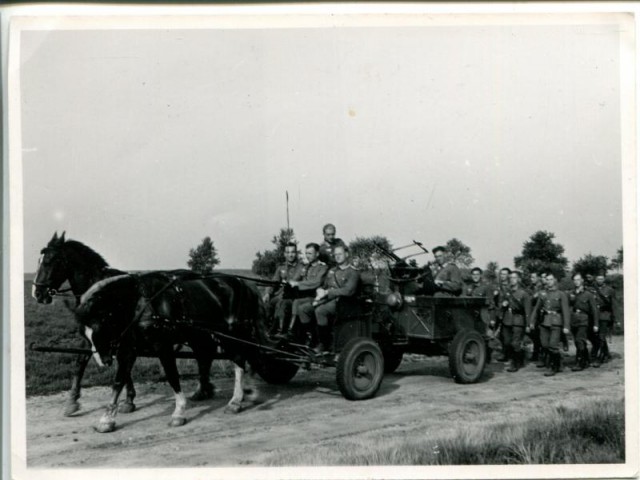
pixel 551 312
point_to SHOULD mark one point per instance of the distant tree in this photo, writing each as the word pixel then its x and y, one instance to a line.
pixel 459 253
pixel 591 265
pixel 491 272
pixel 362 250
pixel 616 262
pixel 204 257
pixel 266 262
pixel 541 253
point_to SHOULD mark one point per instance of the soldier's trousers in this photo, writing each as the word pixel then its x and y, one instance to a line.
pixel 305 310
pixel 283 311
pixel 579 333
pixel 513 335
pixel 550 338
pixel 324 311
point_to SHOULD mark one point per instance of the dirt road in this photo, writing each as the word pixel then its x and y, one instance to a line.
pixel 417 401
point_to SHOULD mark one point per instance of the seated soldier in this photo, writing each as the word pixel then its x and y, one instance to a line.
pixel 448 279
pixel 278 304
pixel 312 278
pixel 341 281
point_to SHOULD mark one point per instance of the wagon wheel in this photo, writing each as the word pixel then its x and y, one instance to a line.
pixel 392 359
pixel 360 369
pixel 467 356
pixel 274 370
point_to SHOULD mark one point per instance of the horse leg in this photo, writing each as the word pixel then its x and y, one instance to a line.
pixel 204 358
pixel 72 404
pixel 171 371
pixel 251 389
pixel 128 406
pixel 123 373
pixel 206 390
pixel 235 404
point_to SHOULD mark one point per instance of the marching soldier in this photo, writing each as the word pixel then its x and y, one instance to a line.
pixel 554 306
pixel 584 314
pixel 515 304
pixel 312 278
pixel 535 287
pixel 341 281
pixel 604 300
pixel 447 278
pixel 279 302
pixel 329 244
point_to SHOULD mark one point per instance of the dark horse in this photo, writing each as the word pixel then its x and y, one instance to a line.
pixel 68 260
pixel 153 311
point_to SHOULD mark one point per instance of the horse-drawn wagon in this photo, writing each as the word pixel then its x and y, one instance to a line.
pixel 373 330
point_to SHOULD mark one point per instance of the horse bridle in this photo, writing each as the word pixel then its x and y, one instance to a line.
pixel 52 292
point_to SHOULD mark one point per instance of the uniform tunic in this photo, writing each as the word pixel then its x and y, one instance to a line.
pixel 279 306
pixel 451 279
pixel 515 304
pixel 341 281
pixel 584 313
pixel 554 307
pixel 604 300
pixel 312 279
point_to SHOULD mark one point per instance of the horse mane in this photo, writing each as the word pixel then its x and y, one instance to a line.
pixel 88 253
pixel 99 286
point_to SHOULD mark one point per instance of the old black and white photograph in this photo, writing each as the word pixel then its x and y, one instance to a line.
pixel 386 240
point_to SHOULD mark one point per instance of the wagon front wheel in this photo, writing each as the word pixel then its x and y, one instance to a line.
pixel 360 369
pixel 467 356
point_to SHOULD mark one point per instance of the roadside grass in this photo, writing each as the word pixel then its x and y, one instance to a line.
pixel 591 432
pixel 55 325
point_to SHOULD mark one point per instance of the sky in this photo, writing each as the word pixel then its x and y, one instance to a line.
pixel 139 143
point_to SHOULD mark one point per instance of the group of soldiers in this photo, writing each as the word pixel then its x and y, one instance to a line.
pixel 541 311
pixel 326 276
pixel 548 315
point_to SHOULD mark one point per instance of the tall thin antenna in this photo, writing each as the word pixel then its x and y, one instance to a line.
pixel 287 196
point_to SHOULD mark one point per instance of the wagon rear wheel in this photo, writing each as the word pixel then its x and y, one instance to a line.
pixel 360 369
pixel 273 370
pixel 467 356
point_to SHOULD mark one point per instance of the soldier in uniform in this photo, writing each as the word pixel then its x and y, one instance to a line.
pixel 535 287
pixel 604 300
pixel 584 312
pixel 341 281
pixel 502 288
pixel 515 304
pixel 329 244
pixel 312 278
pixel 447 277
pixel 554 307
pixel 278 301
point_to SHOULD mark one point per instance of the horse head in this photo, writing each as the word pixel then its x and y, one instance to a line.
pixel 52 270
pixel 102 313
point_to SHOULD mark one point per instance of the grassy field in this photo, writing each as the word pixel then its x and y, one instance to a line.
pixel 54 325
pixel 589 432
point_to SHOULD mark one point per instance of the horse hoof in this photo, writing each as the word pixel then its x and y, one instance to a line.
pixel 233 408
pixel 106 427
pixel 127 407
pixel 177 421
pixel 71 408
pixel 199 395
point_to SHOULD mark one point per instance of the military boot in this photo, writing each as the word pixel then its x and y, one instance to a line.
pixel 579 366
pixel 605 356
pixel 516 361
pixel 554 364
pixel 595 352
pixel 543 360
pixel 505 355
pixel 324 339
